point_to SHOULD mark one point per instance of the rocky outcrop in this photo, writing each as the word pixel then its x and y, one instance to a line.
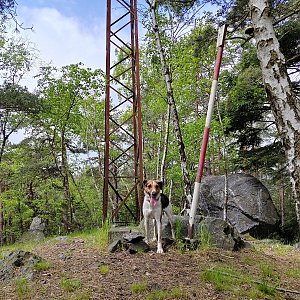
pixel 35 232
pixel 131 241
pixel 18 264
pixel 250 207
pixel 220 234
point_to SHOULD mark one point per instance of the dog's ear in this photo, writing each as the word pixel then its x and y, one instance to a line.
pixel 160 183
pixel 145 182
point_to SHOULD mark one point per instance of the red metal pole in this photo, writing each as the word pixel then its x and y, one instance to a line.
pixel 139 115
pixel 107 108
pixel 196 195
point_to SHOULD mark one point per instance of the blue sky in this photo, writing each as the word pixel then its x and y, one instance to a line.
pixel 65 31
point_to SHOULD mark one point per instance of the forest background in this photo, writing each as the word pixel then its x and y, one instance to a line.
pixel 56 172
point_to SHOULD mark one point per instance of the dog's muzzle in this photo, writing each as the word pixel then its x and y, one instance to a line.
pixel 153 200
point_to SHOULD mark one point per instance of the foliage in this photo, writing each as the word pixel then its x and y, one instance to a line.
pixel 56 171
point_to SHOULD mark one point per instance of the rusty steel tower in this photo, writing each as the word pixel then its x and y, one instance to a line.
pixel 123 165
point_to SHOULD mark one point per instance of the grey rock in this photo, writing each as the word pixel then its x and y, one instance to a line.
pixel 250 207
pixel 132 237
pixel 114 245
pixel 136 247
pixel 32 236
pixel 221 234
pixel 35 232
pixel 37 224
pixel 18 264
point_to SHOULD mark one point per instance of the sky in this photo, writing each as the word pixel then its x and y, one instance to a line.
pixel 65 31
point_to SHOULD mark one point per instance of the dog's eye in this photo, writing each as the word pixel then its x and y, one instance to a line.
pixel 149 186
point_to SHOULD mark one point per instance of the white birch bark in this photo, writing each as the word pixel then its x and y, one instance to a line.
pixel 278 87
pixel 170 96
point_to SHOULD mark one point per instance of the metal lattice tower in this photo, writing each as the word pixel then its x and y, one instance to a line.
pixel 123 165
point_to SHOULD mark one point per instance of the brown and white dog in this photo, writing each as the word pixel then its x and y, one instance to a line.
pixel 155 204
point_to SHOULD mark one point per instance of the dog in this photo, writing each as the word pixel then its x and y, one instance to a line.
pixel 155 204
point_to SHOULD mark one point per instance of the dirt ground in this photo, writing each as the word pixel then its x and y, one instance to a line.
pixel 93 274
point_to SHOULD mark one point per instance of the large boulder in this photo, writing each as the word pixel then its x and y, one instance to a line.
pixel 35 232
pixel 250 207
pixel 220 234
pixel 18 263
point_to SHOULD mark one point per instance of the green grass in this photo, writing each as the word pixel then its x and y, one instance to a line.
pixel 269 275
pixel 139 287
pixel 157 295
pixel 293 273
pixel 205 238
pixel 175 293
pixel 104 269
pixel 234 281
pixel 42 265
pixel 70 284
pixel 94 238
pixel 82 295
pixel 143 288
pixel 223 279
pixel 22 288
pixel 267 289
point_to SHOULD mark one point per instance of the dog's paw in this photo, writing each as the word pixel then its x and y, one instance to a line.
pixel 160 250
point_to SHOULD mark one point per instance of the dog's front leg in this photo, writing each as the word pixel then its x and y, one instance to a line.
pixel 159 237
pixel 154 231
pixel 146 224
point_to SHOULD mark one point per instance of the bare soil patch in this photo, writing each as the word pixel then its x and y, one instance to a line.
pixel 79 270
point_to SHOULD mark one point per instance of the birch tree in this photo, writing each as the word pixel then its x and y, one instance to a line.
pixel 166 72
pixel 278 86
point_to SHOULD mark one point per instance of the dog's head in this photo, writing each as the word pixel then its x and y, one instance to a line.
pixel 152 188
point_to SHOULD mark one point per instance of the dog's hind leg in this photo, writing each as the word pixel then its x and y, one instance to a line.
pixel 168 211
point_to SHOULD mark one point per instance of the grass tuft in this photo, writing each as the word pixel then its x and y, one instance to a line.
pixel 139 287
pixel 293 273
pixel 205 238
pixel 267 289
pixel 22 288
pixel 104 269
pixel 42 265
pixel 70 285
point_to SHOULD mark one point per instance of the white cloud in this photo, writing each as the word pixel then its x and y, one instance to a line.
pixel 63 40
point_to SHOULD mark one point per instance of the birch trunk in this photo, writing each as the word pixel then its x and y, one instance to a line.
pixel 1 223
pixel 278 87
pixel 165 150
pixel 170 96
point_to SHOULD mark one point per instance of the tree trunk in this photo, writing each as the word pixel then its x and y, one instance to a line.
pixel 1 223
pixel 165 150
pixel 170 96
pixel 159 146
pixel 282 202
pixel 283 102
pixel 68 210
